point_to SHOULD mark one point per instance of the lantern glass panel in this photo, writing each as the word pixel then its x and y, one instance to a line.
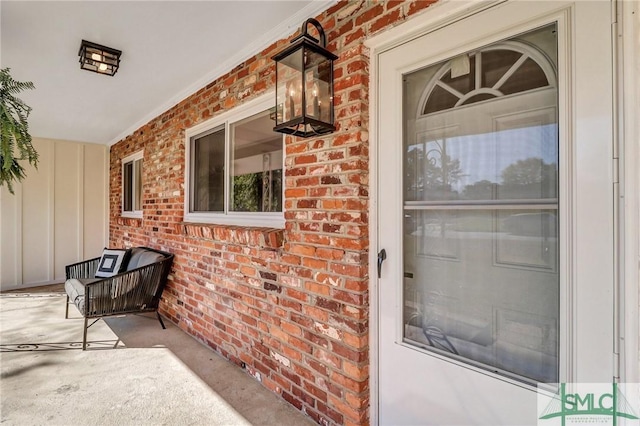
pixel 289 88
pixel 318 86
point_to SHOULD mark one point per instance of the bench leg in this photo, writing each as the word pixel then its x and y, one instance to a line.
pixel 84 338
pixel 160 319
pixel 66 312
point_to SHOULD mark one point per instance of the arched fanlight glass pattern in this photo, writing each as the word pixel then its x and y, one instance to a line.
pixel 503 69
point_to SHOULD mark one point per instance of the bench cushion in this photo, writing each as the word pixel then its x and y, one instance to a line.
pixel 141 257
pixel 75 289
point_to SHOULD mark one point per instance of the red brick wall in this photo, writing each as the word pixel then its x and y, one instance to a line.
pixel 292 305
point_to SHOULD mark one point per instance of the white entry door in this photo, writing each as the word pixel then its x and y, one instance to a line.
pixel 495 213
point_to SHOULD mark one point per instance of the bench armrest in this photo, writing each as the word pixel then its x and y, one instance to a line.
pixel 84 269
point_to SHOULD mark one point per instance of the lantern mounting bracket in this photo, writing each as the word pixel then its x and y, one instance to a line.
pixel 304 32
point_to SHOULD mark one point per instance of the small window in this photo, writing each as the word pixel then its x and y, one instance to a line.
pixel 132 185
pixel 235 169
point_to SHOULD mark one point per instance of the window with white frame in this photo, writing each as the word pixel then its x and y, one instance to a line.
pixel 132 185
pixel 234 168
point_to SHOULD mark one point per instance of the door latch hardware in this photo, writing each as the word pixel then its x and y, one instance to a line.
pixel 382 255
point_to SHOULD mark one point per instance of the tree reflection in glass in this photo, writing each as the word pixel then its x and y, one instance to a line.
pixel 488 166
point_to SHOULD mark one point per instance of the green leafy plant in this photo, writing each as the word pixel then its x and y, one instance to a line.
pixel 15 140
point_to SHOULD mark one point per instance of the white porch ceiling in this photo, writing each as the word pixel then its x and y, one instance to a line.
pixel 170 50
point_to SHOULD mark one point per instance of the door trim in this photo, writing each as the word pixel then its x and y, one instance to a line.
pixel 627 36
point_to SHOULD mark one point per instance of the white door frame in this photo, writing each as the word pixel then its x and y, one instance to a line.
pixel 627 82
pixel 627 33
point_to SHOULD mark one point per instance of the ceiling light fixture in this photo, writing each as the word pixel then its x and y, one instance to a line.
pixel 97 58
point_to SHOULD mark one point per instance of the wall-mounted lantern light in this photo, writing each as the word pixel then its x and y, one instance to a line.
pixel 97 58
pixel 304 85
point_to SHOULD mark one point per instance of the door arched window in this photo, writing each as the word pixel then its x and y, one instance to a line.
pixel 499 70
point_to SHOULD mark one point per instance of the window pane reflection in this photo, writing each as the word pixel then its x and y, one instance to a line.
pixel 137 165
pixel 510 164
pixel 482 285
pixel 256 184
pixel 208 172
pixel 480 246
pixel 128 187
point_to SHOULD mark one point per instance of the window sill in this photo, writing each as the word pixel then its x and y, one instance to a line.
pixel 131 215
pixel 252 236
pixel 264 220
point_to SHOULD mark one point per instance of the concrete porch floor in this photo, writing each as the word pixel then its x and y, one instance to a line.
pixel 133 373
